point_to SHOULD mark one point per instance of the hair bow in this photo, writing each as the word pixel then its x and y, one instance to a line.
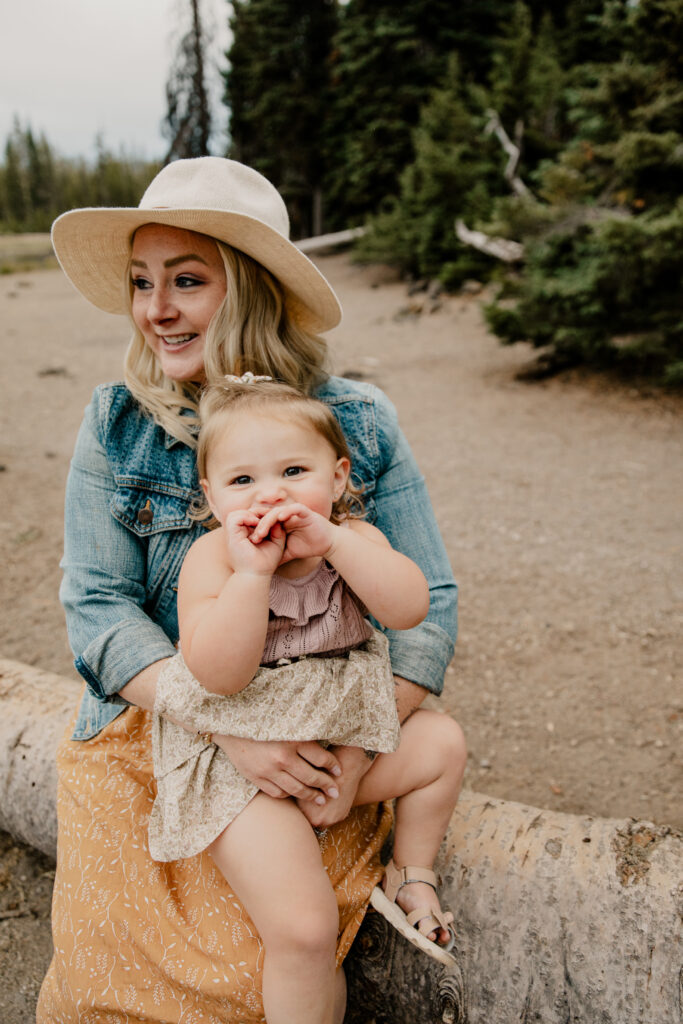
pixel 246 378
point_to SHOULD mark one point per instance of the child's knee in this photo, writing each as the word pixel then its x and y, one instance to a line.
pixel 447 741
pixel 304 927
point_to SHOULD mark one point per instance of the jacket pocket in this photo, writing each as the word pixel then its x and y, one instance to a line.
pixel 149 508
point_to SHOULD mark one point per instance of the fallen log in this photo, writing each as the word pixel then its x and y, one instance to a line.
pixel 321 243
pixel 560 918
pixel 501 248
pixel 35 707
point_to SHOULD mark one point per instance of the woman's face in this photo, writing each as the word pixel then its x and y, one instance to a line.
pixel 178 284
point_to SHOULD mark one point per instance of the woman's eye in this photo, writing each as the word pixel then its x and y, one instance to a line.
pixel 294 470
pixel 141 283
pixel 185 281
pixel 241 480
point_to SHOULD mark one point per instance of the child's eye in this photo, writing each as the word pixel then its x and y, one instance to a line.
pixel 294 470
pixel 240 481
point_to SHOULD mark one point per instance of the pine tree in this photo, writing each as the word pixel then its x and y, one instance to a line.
pixel 455 170
pixel 277 90
pixel 386 59
pixel 15 200
pixel 601 283
pixel 187 124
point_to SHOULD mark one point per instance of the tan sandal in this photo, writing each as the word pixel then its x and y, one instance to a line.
pixel 384 902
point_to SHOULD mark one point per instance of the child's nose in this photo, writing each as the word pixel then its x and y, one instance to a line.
pixel 272 493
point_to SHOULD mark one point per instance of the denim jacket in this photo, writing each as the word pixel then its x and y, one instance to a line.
pixel 127 531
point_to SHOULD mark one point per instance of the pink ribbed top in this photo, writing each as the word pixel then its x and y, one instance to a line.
pixel 315 614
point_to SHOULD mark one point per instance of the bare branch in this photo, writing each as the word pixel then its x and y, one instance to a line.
pixel 513 151
pixel 501 248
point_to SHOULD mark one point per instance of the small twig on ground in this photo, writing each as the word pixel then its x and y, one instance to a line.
pixel 6 914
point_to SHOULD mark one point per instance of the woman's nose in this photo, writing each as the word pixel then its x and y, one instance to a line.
pixel 161 306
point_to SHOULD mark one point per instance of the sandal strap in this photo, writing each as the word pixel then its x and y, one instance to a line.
pixel 398 877
pixel 436 917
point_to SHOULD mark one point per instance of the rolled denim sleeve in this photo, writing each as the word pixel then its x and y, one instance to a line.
pixel 405 516
pixel 103 587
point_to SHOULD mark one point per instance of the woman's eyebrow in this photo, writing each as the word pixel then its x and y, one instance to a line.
pixel 182 259
pixel 173 261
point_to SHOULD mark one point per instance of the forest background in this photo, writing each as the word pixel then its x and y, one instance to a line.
pixel 549 134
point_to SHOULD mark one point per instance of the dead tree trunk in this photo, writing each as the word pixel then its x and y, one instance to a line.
pixel 560 918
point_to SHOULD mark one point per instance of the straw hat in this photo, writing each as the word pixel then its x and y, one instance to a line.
pixel 214 196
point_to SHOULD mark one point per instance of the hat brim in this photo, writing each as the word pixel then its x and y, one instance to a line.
pixel 93 248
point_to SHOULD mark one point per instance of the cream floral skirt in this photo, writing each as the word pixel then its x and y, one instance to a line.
pixel 345 700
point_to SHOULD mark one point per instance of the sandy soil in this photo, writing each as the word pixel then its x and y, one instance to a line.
pixel 560 504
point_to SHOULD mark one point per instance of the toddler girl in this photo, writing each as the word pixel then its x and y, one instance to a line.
pixel 275 645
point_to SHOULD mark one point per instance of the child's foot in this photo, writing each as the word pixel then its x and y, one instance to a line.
pixel 421 896
pixel 409 902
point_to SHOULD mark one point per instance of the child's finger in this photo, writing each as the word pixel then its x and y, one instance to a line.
pixel 265 523
pixel 278 532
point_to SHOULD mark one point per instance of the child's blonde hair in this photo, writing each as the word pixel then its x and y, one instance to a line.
pixel 227 397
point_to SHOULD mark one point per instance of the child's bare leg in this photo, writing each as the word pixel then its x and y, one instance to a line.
pixel 425 773
pixel 271 858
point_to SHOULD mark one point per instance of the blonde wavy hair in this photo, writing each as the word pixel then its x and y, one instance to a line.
pixel 224 399
pixel 250 330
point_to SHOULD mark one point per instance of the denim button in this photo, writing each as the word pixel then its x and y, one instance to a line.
pixel 146 514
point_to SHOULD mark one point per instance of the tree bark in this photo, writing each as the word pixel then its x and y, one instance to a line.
pixel 560 918
pixel 35 709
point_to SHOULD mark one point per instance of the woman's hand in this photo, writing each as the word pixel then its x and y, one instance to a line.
pixel 304 770
pixel 307 533
pixel 262 557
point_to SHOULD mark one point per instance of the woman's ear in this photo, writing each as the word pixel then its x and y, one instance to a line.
pixel 341 475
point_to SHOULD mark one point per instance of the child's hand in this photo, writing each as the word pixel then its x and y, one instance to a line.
pixel 307 533
pixel 260 558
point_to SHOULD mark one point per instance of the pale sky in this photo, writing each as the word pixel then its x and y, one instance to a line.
pixel 76 68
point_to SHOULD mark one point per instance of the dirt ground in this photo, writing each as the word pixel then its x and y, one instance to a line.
pixel 560 503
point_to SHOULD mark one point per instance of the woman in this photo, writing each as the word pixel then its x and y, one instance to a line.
pixel 205 269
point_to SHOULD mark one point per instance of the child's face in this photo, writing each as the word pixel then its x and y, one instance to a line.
pixel 261 460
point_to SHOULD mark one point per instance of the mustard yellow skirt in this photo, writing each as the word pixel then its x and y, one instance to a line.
pixel 136 940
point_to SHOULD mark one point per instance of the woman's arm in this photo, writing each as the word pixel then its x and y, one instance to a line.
pixel 405 516
pixel 105 566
